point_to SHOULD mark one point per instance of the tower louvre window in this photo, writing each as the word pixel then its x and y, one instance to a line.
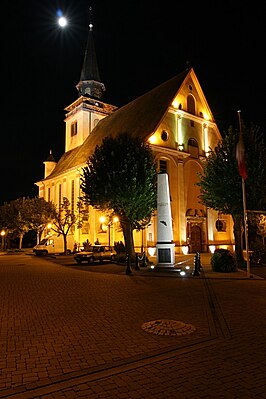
pixel 74 128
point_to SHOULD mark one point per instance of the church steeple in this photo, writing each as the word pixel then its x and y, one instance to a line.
pixel 90 84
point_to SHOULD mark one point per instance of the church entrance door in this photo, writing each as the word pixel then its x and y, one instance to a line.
pixel 195 241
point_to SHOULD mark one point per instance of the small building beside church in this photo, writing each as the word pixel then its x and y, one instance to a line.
pixel 177 122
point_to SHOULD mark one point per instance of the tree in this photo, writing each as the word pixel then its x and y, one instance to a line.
pixel 258 222
pixel 221 185
pixel 120 178
pixel 41 212
pixel 23 214
pixel 262 228
pixel 65 218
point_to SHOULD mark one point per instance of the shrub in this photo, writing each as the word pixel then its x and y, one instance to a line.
pixel 223 261
pixel 87 245
pixel 119 247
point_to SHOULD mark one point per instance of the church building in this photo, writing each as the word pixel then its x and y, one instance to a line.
pixel 177 122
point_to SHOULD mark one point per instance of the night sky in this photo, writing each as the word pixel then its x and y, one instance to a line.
pixel 139 44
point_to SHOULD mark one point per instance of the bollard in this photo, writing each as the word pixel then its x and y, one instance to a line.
pixel 128 263
pixel 196 269
pixel 137 266
pixel 143 260
pixel 199 262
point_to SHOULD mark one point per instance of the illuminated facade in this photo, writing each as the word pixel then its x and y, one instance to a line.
pixel 176 120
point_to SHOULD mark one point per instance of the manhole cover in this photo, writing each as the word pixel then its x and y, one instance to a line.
pixel 168 327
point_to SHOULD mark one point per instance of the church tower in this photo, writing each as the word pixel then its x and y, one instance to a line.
pixel 84 114
pixel 177 122
pixel 90 84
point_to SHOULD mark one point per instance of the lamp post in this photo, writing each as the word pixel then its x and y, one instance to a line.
pixel 106 226
pixel 3 233
pixel 115 220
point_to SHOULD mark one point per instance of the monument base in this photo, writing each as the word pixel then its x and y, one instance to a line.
pixel 165 254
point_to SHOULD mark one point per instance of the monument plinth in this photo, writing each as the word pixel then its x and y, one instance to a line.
pixel 165 248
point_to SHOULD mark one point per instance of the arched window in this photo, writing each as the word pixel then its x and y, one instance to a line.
pixel 193 148
pixel 163 166
pixel 191 106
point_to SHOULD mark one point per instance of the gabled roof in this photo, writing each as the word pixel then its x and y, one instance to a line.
pixel 139 118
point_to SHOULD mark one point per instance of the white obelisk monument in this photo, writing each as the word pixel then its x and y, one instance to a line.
pixel 165 248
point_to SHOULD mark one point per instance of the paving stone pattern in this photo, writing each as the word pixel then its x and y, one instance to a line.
pixel 70 332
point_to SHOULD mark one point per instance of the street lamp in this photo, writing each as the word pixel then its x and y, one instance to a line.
pixel 106 226
pixel 3 233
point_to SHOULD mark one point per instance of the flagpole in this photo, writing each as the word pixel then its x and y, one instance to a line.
pixel 246 224
pixel 244 200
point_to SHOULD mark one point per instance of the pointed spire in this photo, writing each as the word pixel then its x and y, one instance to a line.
pixel 50 157
pixel 90 84
pixel 49 164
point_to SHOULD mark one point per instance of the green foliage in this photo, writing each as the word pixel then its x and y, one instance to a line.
pixel 41 212
pixel 121 177
pixel 223 261
pixel 220 183
pixel 24 214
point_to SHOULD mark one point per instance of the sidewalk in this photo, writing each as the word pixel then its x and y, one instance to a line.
pixel 183 263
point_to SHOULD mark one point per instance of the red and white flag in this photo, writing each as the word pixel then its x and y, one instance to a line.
pixel 240 152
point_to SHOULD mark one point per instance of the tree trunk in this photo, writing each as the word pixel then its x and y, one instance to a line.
pixel 20 241
pixel 128 237
pixel 129 243
pixel 238 233
pixel 65 243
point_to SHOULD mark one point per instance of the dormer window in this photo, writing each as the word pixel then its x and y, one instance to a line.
pixel 74 128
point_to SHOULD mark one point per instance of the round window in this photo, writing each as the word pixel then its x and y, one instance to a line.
pixel 164 135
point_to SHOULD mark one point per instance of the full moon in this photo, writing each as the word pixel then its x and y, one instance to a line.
pixel 62 21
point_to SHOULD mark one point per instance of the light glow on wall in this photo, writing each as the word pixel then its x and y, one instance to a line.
pixel 180 138
pixel 175 104
pixel 206 141
pixel 152 139
pixel 185 249
pixel 151 251
pixel 212 248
